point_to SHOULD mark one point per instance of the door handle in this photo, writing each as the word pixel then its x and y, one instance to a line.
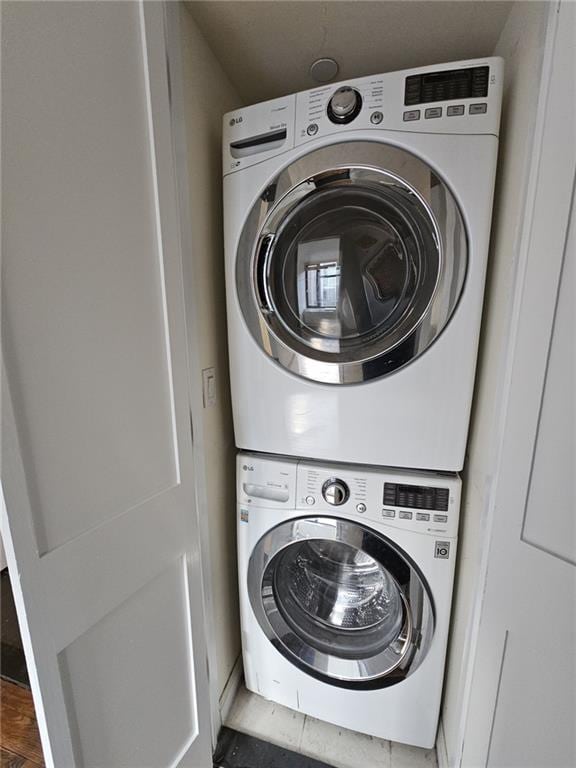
pixel 262 256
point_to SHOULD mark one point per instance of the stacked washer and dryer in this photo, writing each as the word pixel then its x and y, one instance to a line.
pixel 357 222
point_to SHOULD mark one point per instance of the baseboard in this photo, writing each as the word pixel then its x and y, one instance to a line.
pixel 441 751
pixel 231 689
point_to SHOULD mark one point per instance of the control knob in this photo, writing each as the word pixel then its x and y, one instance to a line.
pixel 344 105
pixel 335 492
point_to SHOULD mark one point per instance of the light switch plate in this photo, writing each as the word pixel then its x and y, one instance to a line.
pixel 209 387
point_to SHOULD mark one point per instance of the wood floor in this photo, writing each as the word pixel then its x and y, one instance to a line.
pixel 19 738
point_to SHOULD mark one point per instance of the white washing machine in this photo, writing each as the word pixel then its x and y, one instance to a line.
pixel 357 221
pixel 345 588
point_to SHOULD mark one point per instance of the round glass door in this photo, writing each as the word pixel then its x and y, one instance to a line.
pixel 340 601
pixel 353 267
pixel 351 272
pixel 338 598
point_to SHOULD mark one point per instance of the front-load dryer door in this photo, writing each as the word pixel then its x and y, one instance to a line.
pixel 341 602
pixel 349 269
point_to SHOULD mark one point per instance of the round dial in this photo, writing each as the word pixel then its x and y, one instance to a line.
pixel 335 492
pixel 344 105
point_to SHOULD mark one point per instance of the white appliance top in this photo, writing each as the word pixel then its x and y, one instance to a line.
pixel 461 97
pixel 426 502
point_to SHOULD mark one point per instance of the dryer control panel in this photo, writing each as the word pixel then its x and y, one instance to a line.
pixel 460 97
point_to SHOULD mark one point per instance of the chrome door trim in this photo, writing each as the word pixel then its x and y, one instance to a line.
pixel 388 667
pixel 376 164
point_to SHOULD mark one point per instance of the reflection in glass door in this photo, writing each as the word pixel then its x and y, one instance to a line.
pixel 341 601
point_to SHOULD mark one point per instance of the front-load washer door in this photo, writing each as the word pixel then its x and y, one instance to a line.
pixel 351 262
pixel 341 602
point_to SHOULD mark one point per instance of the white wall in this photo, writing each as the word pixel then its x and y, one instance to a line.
pixel 521 44
pixel 207 96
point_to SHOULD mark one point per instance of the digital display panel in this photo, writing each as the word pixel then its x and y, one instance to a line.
pixel 416 497
pixel 448 85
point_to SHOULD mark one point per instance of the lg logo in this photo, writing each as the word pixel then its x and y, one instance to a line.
pixel 247 468
pixel 235 121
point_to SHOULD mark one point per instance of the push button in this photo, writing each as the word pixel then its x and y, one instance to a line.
pixel 433 112
pixel 312 129
pixel 405 515
pixel 477 109
pixel 361 508
pixel 411 114
pixel 422 516
pixel 454 110
pixel 376 118
pixel 388 513
pixel 310 500
pixel 440 518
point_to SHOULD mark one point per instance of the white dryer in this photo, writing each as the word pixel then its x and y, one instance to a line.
pixel 345 589
pixel 357 221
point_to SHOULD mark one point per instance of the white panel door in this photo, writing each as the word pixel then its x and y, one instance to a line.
pixel 523 702
pixel 99 520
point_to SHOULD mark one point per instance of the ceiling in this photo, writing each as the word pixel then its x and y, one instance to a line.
pixel 266 47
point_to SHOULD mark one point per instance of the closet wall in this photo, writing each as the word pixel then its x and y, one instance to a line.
pixel 207 95
pixel 266 48
pixel 521 44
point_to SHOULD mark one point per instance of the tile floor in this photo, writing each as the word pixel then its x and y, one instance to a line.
pixel 336 746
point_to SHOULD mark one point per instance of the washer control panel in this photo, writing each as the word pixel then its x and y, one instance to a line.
pixel 427 502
